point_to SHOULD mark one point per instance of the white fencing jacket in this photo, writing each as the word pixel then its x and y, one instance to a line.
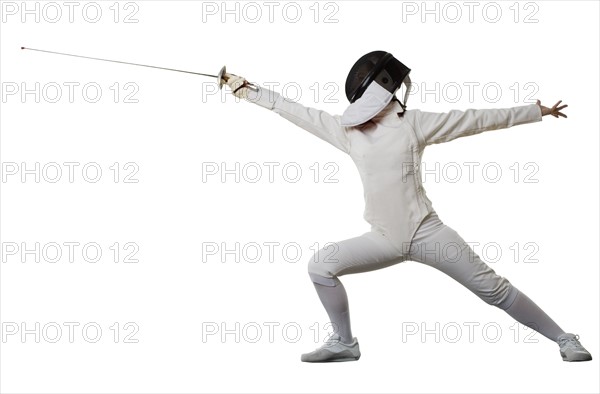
pixel 388 149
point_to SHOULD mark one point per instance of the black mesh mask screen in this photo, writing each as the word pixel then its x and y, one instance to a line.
pixel 377 66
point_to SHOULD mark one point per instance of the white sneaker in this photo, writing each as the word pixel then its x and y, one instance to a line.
pixel 333 350
pixel 571 349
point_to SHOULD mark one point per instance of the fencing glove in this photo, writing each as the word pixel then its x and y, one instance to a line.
pixel 238 85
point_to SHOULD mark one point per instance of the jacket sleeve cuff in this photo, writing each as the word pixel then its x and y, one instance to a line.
pixel 536 112
pixel 264 97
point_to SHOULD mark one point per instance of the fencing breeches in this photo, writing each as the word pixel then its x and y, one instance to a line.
pixel 434 244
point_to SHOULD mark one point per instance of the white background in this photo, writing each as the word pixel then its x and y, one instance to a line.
pixel 172 296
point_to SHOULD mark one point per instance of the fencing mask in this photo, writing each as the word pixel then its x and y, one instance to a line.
pixel 371 85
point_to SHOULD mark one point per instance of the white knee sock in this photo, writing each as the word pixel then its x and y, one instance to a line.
pixel 335 301
pixel 526 312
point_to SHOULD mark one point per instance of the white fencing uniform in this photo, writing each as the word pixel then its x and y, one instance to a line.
pixel 387 151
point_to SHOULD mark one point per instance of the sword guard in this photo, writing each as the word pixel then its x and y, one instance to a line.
pixel 221 77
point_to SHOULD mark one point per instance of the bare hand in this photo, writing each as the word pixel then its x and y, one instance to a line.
pixel 554 111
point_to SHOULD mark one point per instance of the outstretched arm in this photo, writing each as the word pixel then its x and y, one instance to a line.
pixel 319 123
pixel 435 128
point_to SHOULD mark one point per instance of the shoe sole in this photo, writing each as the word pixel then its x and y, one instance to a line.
pixel 335 360
pixel 580 357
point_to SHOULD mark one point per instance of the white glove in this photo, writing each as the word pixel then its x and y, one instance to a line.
pixel 237 85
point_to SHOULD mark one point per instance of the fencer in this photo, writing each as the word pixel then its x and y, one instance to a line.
pixel 386 142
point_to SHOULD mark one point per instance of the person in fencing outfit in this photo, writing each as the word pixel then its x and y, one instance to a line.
pixel 386 142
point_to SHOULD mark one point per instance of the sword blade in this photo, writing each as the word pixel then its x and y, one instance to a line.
pixel 118 61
